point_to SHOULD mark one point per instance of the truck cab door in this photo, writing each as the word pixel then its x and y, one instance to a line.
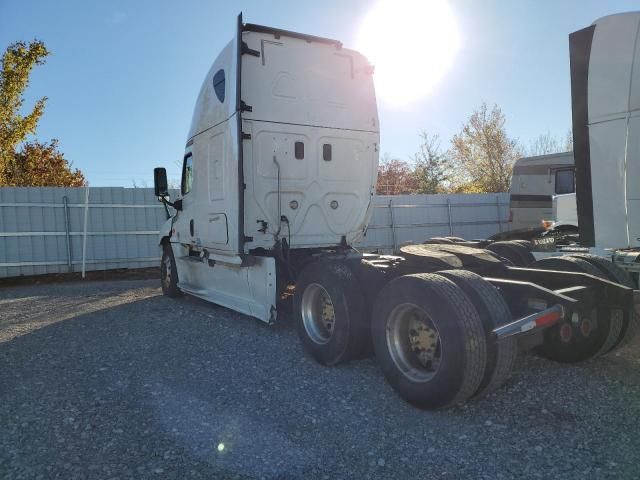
pixel 185 222
pixel 202 222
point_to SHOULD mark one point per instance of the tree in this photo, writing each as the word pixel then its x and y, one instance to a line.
pixel 546 144
pixel 34 163
pixel 432 167
pixel 395 177
pixel 483 153
pixel 41 165
pixel 467 187
pixel 139 183
pixel 568 141
pixel 17 63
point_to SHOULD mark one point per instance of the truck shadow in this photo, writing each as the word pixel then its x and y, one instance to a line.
pixel 161 386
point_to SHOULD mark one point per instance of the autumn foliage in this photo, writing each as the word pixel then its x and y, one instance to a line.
pixel 480 159
pixel 41 165
pixel 27 163
pixel 396 177
pixel 483 152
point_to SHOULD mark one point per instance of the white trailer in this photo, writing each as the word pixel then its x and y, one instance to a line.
pixel 277 184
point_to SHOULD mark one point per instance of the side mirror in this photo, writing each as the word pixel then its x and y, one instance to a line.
pixel 160 186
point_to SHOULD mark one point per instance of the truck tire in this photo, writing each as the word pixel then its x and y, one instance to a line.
pixel 519 255
pixel 528 247
pixel 608 267
pixel 524 247
pixel 429 340
pixel 508 251
pixel 525 243
pixel 429 259
pixel 331 316
pixel 438 240
pixel 630 322
pixel 169 273
pixel 598 341
pixel 494 312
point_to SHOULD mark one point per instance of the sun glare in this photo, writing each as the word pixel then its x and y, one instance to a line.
pixel 411 43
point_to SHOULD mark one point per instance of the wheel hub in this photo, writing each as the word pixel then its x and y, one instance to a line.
pixel 328 314
pixel 166 271
pixel 414 342
pixel 318 313
pixel 423 341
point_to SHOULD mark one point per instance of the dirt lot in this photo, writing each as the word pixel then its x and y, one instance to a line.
pixel 113 380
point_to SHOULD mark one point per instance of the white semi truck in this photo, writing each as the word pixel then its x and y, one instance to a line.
pixel 605 209
pixel 277 184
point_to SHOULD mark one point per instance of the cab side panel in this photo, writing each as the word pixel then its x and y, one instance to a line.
pixel 209 215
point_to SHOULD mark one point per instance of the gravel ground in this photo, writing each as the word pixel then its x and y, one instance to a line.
pixel 113 380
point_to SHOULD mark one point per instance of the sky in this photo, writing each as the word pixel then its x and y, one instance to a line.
pixel 124 75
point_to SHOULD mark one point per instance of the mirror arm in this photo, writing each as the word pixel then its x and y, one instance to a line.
pixel 166 208
pixel 166 203
pixel 177 204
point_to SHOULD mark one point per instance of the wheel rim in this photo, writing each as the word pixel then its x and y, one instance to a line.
pixel 414 342
pixel 318 314
pixel 166 271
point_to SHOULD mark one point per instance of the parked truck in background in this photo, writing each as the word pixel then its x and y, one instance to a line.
pixel 278 178
pixel 533 183
pixel 564 214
